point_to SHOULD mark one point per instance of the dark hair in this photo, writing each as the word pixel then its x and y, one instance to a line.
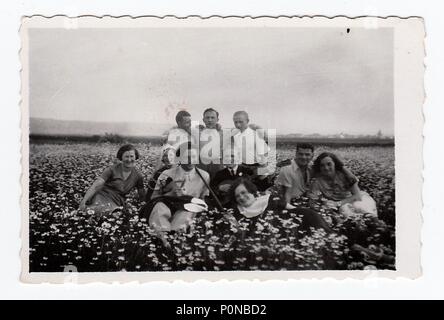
pixel 339 165
pixel 182 114
pixel 250 186
pixel 304 145
pixel 125 148
pixel 210 110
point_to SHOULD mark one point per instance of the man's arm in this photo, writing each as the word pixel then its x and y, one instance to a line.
pixel 287 194
pixel 164 186
pixel 205 191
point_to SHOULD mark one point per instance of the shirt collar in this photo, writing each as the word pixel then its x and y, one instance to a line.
pixel 248 130
pixel 188 173
pixel 296 167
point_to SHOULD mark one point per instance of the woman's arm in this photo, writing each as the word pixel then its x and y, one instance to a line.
pixel 165 187
pixel 96 186
pixel 356 195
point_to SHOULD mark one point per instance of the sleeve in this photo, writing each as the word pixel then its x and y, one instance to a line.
pixel 107 174
pixel 216 180
pixel 248 171
pixel 350 178
pixel 175 139
pixel 283 178
pixel 161 182
pixel 139 183
pixel 262 149
pixel 205 191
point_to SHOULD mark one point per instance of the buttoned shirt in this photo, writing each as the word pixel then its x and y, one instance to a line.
pixel 250 147
pixel 210 146
pixel 293 177
pixel 233 170
pixel 189 182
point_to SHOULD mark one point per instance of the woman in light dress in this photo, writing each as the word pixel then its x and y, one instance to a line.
pixel 340 189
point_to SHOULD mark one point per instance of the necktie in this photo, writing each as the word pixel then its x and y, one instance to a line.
pixel 305 173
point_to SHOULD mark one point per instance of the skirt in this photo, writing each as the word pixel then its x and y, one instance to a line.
pixel 103 205
pixel 367 206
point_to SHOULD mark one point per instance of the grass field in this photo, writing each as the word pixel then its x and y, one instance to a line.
pixel 60 236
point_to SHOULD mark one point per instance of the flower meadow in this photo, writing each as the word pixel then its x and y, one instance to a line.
pixel 61 237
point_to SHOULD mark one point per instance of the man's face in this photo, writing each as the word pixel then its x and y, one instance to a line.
pixel 240 121
pixel 185 123
pixel 303 157
pixel 210 119
pixel 188 159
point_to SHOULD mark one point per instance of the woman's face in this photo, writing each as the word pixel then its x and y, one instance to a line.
pixel 129 158
pixel 327 167
pixel 243 196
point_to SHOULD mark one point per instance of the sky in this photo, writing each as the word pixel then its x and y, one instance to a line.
pixel 295 80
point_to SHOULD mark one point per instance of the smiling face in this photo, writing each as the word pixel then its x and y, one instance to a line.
pixel 243 196
pixel 210 119
pixel 240 121
pixel 303 157
pixel 327 167
pixel 129 159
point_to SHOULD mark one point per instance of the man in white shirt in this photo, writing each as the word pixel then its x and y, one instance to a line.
pixel 211 143
pixel 252 149
pixel 294 179
pixel 181 134
pixel 181 180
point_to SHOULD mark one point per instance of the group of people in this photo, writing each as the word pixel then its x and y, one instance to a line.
pixel 202 166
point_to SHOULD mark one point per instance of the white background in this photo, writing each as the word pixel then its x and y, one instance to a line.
pixel 430 285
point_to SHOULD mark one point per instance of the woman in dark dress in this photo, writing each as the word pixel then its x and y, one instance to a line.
pixel 247 205
pixel 108 191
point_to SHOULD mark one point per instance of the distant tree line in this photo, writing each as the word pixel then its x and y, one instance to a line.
pixel 157 140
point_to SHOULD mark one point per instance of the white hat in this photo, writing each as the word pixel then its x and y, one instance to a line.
pixel 197 205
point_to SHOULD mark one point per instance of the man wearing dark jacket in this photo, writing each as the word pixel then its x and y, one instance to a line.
pixel 224 178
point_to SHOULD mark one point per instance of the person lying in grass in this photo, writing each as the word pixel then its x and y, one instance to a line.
pixel 248 204
pixel 338 188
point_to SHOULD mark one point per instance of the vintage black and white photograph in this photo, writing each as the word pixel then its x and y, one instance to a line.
pixel 211 147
